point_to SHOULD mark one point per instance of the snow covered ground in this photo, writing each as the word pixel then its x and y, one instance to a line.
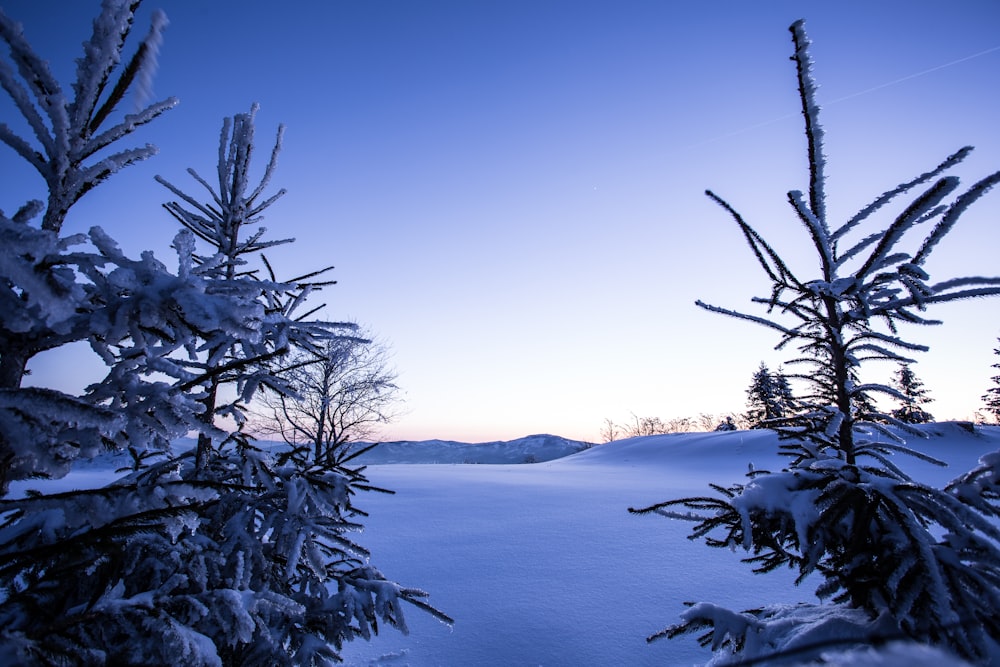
pixel 541 564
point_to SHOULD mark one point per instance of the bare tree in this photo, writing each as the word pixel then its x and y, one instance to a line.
pixel 610 431
pixel 339 397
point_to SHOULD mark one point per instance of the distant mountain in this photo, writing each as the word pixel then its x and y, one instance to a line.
pixel 530 449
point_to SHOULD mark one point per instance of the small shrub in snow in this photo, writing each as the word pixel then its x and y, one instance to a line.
pixel 805 634
pixel 892 555
pixel 726 424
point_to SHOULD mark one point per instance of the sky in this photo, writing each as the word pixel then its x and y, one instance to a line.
pixel 512 192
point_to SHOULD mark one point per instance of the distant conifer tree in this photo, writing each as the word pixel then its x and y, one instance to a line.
pixel 912 396
pixel 992 395
pixel 769 397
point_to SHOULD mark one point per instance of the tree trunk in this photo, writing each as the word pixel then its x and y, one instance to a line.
pixel 13 362
pixel 842 375
pixel 208 418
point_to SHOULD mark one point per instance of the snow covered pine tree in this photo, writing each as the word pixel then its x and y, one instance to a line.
pixel 911 396
pixel 279 529
pixel 44 304
pixel 899 559
pixel 769 397
pixel 223 555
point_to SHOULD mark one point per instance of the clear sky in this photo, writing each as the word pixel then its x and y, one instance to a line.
pixel 512 190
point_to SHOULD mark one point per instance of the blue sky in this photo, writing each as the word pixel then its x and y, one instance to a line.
pixel 512 191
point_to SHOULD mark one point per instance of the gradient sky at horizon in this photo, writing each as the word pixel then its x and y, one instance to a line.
pixel 512 192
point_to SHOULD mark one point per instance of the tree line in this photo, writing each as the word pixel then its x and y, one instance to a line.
pixel 770 399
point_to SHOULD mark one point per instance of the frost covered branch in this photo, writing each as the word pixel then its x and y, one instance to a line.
pixel 72 130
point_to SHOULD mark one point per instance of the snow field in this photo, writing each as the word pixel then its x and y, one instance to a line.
pixel 543 565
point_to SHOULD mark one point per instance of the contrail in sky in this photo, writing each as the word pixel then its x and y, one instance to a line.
pixel 914 76
pixel 894 82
